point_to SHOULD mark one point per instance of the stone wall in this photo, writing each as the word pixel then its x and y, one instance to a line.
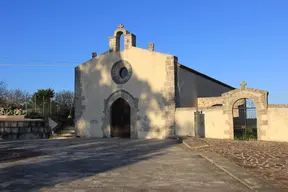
pixel 209 101
pixel 217 121
pixel 272 120
pixel 25 129
pixel 277 118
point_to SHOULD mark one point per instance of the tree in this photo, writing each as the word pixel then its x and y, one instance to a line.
pixel 12 98
pixel 47 93
pixel 65 98
pixel 43 95
pixel 3 92
pixel 17 97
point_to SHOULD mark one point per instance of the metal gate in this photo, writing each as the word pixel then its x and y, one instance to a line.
pixel 244 119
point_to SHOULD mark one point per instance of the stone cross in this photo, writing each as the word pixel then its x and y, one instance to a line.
pixel 243 84
pixel 94 54
pixel 121 26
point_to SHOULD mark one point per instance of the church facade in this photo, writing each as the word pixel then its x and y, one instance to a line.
pixel 135 92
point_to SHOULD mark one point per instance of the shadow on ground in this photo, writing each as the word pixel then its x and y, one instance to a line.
pixel 69 160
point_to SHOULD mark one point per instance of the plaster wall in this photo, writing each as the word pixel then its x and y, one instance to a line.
pixel 277 128
pixel 151 85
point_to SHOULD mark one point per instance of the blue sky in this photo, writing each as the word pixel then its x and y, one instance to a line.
pixel 228 40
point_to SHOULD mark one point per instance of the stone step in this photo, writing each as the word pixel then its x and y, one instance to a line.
pixel 66 135
pixel 68 128
pixel 67 131
pixel 62 137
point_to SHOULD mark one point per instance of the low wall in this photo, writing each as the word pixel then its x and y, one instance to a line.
pixel 277 129
pixel 184 120
pixel 24 129
pixel 214 123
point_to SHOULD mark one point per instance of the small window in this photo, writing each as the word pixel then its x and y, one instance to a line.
pixel 123 72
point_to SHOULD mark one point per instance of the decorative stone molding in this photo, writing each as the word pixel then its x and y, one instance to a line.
pixel 252 90
pixel 116 75
pixel 133 103
pixel 259 97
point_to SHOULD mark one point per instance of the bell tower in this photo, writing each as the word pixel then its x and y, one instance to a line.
pixel 114 41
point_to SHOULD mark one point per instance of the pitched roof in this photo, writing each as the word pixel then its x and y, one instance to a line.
pixel 204 76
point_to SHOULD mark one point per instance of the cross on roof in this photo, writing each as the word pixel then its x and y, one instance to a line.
pixel 121 26
pixel 243 84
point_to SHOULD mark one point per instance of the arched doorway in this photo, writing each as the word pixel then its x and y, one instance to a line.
pixel 120 118
pixel 244 120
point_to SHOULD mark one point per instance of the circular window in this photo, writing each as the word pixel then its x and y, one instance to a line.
pixel 121 72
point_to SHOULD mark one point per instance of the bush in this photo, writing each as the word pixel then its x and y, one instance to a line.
pixel 34 115
pixel 247 134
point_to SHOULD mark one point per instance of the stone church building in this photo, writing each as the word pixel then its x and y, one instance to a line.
pixel 135 92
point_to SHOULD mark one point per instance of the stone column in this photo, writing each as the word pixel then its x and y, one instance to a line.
pixel 129 41
pixel 113 43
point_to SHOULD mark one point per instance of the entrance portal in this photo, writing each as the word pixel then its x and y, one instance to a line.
pixel 120 118
pixel 245 119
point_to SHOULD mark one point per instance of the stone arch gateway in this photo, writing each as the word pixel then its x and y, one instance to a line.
pixel 245 119
pixel 259 97
pixel 108 118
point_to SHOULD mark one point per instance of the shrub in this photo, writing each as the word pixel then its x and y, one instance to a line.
pixel 34 115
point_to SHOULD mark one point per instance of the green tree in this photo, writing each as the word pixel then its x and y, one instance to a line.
pixel 42 100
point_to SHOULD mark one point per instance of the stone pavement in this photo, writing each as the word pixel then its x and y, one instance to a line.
pixel 84 165
pixel 260 165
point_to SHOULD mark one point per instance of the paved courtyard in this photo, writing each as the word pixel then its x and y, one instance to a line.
pixel 268 160
pixel 84 165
